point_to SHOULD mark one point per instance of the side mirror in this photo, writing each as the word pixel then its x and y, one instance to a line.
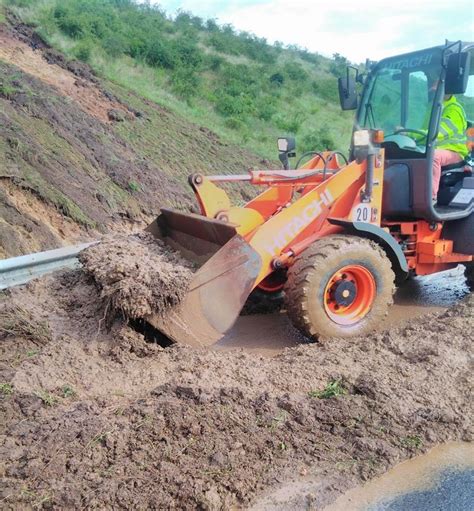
pixel 457 73
pixel 347 92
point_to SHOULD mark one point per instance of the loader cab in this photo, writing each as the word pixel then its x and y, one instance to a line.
pixel 403 96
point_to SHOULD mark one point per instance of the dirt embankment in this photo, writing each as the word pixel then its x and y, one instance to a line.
pixel 80 155
pixel 95 418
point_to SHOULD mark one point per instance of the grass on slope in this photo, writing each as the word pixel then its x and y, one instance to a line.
pixel 247 91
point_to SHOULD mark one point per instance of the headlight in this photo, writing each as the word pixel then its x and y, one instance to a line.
pixel 362 138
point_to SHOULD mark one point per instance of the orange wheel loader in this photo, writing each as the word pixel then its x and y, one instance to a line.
pixel 336 235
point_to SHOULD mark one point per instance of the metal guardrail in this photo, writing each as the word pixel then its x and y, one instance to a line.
pixel 21 269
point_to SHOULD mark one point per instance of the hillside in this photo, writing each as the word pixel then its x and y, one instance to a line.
pixel 101 143
pixel 234 83
pixel 79 155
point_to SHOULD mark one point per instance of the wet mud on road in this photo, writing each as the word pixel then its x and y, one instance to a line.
pixel 269 334
pixel 440 479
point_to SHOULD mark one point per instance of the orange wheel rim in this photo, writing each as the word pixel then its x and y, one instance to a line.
pixel 349 294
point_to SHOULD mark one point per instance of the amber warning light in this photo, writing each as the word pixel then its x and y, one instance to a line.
pixel 378 136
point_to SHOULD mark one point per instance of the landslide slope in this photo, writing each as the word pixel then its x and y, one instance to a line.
pixel 80 155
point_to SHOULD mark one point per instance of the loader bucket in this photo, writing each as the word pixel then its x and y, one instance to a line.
pixel 220 286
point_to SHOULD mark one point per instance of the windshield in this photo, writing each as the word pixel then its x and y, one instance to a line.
pixel 399 97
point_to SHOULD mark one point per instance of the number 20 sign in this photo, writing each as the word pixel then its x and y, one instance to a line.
pixel 364 213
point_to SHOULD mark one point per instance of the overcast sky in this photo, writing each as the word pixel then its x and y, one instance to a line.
pixel 356 29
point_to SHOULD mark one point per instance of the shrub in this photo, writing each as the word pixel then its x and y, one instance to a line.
pixel 67 21
pixel 277 79
pixel 83 51
pixel 296 72
pixel 290 124
pixel 312 58
pixel 234 123
pixel 188 53
pixel 115 45
pixel 338 65
pixel 326 88
pixel 21 3
pixel 160 54
pixel 266 108
pixel 319 139
pixel 213 62
pixel 185 83
pixel 230 106
pixel 136 48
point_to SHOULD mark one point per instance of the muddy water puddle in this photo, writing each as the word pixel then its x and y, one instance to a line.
pixel 269 334
pixel 442 479
pixel 431 293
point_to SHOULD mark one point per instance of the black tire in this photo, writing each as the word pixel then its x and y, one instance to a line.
pixel 469 273
pixel 262 302
pixel 311 273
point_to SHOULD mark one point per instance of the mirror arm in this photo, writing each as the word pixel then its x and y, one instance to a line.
pixel 283 157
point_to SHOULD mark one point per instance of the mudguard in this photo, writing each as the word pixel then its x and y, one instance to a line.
pixel 383 238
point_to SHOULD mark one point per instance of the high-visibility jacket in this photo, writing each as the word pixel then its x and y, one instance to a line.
pixel 452 128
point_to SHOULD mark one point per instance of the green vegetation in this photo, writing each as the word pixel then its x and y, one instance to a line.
pixel 47 398
pixel 134 186
pixel 35 182
pixel 6 90
pixel 38 500
pixel 334 388
pixel 412 442
pixel 67 391
pixel 235 83
pixel 6 389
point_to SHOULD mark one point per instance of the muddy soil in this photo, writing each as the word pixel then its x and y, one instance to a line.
pixel 104 419
pixel 417 297
pixel 137 275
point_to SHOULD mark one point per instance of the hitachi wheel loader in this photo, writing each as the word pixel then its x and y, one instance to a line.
pixel 335 235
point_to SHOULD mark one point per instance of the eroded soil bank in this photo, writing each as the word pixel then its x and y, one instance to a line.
pixel 103 419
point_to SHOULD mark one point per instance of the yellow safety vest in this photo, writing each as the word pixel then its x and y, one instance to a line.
pixel 452 128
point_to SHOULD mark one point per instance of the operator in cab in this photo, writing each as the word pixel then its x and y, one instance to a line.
pixel 450 145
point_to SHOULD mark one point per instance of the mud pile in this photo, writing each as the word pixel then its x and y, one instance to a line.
pixel 102 419
pixel 137 274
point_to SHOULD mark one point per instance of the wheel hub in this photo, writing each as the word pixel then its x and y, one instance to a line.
pixel 349 294
pixel 344 293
